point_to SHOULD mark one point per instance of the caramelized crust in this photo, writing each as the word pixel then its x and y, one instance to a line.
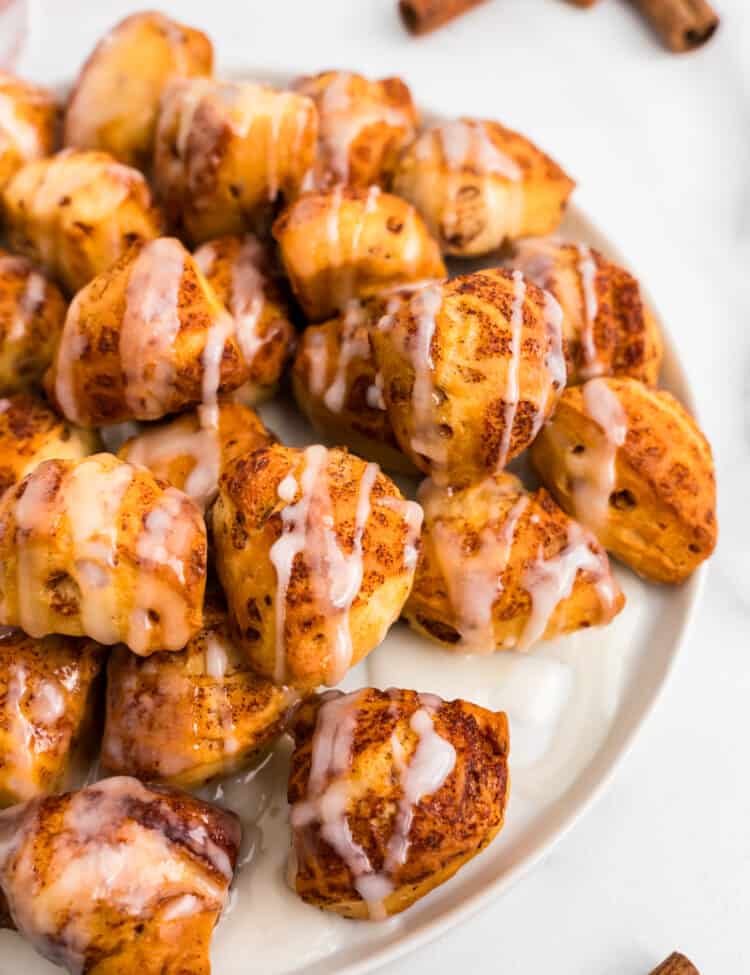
pixel 338 387
pixel 609 331
pixel 363 126
pixel 32 312
pixel 102 549
pixel 115 100
pixel 226 151
pixel 651 499
pixel 76 213
pixel 138 338
pixel 500 569
pixel 191 457
pixel 182 718
pixel 398 849
pixel 31 432
pixel 350 243
pixel 471 369
pixel 47 705
pixel 118 878
pixel 243 275
pixel 315 551
pixel 477 184
pixel 28 124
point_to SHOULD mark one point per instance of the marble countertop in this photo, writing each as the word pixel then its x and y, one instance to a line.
pixel 660 146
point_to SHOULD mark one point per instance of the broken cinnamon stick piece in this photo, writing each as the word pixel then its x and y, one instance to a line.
pixel 423 16
pixel 583 3
pixel 676 964
pixel 683 25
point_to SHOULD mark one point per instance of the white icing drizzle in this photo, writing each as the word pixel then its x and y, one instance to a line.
pixel 150 326
pixel 354 344
pixel 587 269
pixel 308 529
pixel 48 704
pixel 217 660
pixel 374 396
pixel 554 359
pixel 30 299
pixel 218 334
pixel 247 299
pixel 426 438
pixel 23 136
pixel 153 448
pixel 466 142
pixel 329 790
pixel 316 347
pixel 413 515
pixel 474 580
pixel 512 391
pixel 593 471
pixel 550 581
pixel 343 119
pixel 19 758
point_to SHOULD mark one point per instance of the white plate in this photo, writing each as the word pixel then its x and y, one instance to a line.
pixel 574 705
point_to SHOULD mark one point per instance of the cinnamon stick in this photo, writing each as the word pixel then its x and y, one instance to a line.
pixel 676 964
pixel 423 16
pixel 682 25
pixel 583 3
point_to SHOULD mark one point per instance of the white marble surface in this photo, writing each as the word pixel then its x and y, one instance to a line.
pixel 660 146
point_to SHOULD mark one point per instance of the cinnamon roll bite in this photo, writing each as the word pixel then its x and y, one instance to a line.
pixel 227 152
pixel 76 213
pixel 501 568
pixel 363 126
pixel 118 877
pixel 391 793
pixel 478 184
pixel 470 371
pixel 632 465
pixel 102 549
pixel 32 312
pixel 31 432
pixel 48 704
pixel 182 718
pixel 351 243
pixel 28 124
pixel 609 330
pixel 243 274
pixel 146 338
pixel 316 551
pixel 115 99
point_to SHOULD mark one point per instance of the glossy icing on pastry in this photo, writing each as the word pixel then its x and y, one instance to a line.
pixel 100 548
pixel 501 568
pixel 382 811
pixel 301 551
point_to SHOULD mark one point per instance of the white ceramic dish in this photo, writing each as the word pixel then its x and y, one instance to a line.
pixel 574 704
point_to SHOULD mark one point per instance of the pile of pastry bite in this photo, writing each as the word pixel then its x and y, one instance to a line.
pixel 195 246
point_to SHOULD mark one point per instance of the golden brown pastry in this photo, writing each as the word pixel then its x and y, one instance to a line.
pixel 28 124
pixel 608 329
pixel 182 718
pixel 115 100
pixel 101 549
pixel 316 552
pixel 363 125
pixel 32 312
pixel 226 151
pixel 48 702
pixel 632 464
pixel 192 456
pixel 471 369
pixel 477 184
pixel 349 243
pixel 77 212
pixel 338 387
pixel 391 793
pixel 31 432
pixel 118 878
pixel 501 569
pixel 146 338
pixel 241 272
